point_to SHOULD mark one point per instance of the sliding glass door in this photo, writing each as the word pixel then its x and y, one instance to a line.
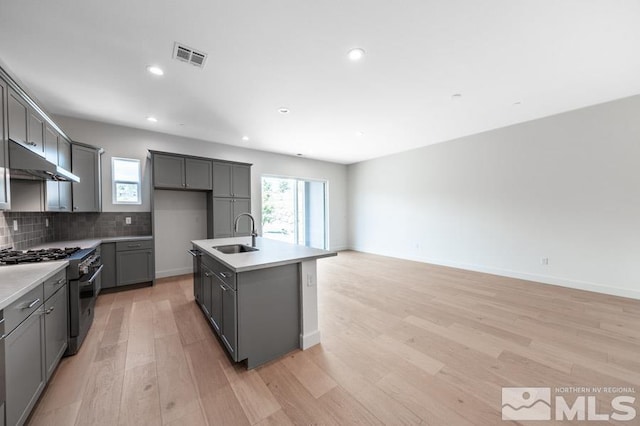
pixel 294 210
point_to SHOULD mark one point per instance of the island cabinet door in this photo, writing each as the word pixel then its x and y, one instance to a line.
pixel 208 280
pixel 229 321
pixel 216 305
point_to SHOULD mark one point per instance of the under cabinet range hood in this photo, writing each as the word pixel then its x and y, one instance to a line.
pixel 26 162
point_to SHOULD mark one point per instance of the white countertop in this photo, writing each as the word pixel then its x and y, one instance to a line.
pixel 270 253
pixel 89 243
pixel 17 280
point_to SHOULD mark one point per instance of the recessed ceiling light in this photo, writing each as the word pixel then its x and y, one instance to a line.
pixel 456 96
pixel 152 119
pixel 155 70
pixel 283 110
pixel 356 54
pixel 360 134
pixel 245 138
pixel 299 155
pixel 517 103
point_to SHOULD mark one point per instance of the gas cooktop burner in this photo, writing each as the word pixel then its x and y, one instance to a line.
pixel 12 257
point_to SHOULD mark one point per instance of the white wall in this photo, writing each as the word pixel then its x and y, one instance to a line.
pixel 119 141
pixel 180 217
pixel 566 187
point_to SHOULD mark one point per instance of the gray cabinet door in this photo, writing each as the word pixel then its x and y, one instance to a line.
pixel 64 196
pixel 222 217
pixel 216 304
pixel 168 171
pixel 55 327
pixel 207 282
pixel 222 173
pixel 18 117
pixel 25 370
pixel 108 256
pixel 198 174
pixel 134 266
pixel 64 153
pixel 51 145
pixel 241 181
pixel 35 136
pixel 229 320
pixel 244 225
pixel 85 163
pixel 4 156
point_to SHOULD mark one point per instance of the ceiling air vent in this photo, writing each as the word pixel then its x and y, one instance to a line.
pixel 186 54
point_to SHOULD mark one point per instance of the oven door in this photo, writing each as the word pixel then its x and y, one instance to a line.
pixel 89 284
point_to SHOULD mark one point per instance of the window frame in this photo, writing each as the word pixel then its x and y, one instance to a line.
pixel 114 182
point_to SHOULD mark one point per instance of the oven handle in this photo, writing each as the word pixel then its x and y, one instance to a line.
pixel 92 279
pixel 194 252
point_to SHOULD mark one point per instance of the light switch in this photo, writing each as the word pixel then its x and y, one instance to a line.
pixel 127 220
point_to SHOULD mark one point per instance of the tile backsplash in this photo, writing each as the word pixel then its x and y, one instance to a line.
pixel 33 229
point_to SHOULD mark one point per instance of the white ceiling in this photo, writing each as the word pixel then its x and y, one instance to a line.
pixel 87 59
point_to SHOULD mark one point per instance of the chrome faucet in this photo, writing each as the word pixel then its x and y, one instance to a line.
pixel 254 234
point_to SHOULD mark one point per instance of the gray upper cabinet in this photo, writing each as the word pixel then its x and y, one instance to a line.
pixel 231 180
pixel 51 154
pixel 168 171
pixel 198 174
pixel 180 172
pixel 85 163
pixel 4 156
pixel 35 136
pixel 18 111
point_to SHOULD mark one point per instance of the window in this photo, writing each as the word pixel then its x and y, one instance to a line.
pixel 294 210
pixel 125 174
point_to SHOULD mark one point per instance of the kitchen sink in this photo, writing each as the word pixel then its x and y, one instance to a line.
pixel 235 248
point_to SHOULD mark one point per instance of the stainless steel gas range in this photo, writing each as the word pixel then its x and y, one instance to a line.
pixel 83 273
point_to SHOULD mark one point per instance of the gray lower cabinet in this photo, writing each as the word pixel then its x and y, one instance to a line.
pixel 56 310
pixel 134 262
pixel 108 257
pixel 256 314
pixel 36 339
pixel 25 367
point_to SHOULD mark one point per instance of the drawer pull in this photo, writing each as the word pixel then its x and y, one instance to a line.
pixel 223 287
pixel 225 274
pixel 60 281
pixel 134 245
pixel 32 304
pixel 48 311
pixel 206 274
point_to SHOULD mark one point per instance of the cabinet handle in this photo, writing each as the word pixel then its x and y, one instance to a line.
pixel 206 274
pixel 32 304
pixel 134 245
pixel 63 207
pixel 225 274
pixel 32 143
pixel 223 287
pixel 75 207
pixel 60 281
pixel 48 311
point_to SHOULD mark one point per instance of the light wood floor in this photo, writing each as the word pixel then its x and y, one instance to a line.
pixel 402 343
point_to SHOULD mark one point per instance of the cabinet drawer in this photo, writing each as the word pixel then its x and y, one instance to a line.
pixel 15 313
pixel 221 271
pixel 54 283
pixel 134 245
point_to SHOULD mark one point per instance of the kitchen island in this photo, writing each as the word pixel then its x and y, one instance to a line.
pixel 261 303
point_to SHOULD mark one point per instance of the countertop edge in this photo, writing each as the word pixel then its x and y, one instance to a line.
pixel 57 266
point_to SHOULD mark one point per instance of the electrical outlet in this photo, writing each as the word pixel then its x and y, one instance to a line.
pixel 127 220
pixel 46 222
pixel 544 261
pixel 309 280
pixel 15 225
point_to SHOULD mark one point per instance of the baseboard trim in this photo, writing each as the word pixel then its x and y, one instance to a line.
pixel 542 279
pixel 173 272
pixel 309 340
